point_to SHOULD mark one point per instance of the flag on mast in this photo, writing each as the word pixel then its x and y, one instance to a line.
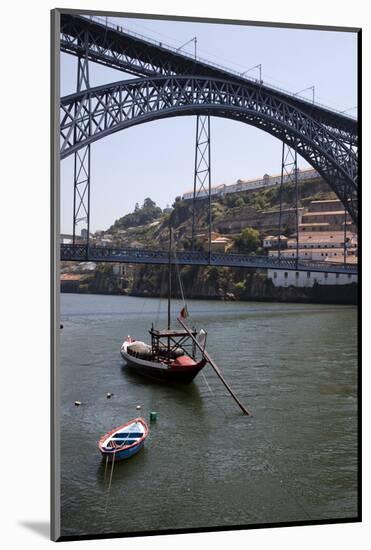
pixel 184 312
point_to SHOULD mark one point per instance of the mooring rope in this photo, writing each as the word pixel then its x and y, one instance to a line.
pixel 113 464
pixel 207 383
pixel 105 469
pixel 109 485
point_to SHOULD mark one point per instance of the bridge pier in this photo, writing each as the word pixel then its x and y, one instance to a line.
pixel 202 177
pixel 289 174
pixel 81 176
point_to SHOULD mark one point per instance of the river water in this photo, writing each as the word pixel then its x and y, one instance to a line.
pixel 204 463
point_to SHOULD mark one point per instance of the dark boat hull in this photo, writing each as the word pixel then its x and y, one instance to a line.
pixel 181 371
pixel 179 377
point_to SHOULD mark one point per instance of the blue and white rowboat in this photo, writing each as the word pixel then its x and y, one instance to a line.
pixel 125 441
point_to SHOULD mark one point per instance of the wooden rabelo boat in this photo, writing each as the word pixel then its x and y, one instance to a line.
pixel 171 356
pixel 124 441
pixel 172 353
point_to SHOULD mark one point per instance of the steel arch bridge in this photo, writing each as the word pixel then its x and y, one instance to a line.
pixel 110 45
pixel 171 84
pixel 98 112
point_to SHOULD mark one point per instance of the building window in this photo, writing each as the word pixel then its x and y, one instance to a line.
pixel 297 274
pixel 337 275
pixel 308 274
pixel 326 275
pixel 275 275
pixel 286 274
pixel 349 275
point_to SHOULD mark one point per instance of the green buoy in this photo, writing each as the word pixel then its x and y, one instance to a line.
pixel 153 416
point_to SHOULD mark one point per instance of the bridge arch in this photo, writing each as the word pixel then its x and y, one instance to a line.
pixel 98 112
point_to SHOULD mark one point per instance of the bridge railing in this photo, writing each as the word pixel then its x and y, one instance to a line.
pixel 81 252
pixel 158 43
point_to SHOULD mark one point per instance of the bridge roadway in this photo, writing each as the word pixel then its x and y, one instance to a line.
pixel 78 252
pixel 109 44
pixel 173 84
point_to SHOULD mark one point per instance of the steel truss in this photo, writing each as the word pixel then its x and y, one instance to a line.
pixel 81 177
pixel 130 53
pixel 70 252
pixel 98 112
pixel 202 179
pixel 289 178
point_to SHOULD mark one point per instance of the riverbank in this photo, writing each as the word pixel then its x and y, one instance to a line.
pixel 253 287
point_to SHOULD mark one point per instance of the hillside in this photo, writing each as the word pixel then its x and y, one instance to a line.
pixel 244 218
pixel 147 226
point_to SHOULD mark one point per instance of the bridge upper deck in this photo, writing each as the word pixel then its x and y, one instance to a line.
pixel 112 45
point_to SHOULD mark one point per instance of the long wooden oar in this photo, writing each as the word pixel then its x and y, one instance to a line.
pixel 214 366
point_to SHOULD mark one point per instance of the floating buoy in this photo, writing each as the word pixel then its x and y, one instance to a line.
pixel 109 395
pixel 138 407
pixel 78 403
pixel 153 416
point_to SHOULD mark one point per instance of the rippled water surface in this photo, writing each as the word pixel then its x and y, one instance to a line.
pixel 204 463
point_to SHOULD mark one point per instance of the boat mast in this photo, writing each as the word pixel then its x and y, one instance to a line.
pixel 169 279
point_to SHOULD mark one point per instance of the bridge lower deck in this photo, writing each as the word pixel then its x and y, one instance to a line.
pixel 83 253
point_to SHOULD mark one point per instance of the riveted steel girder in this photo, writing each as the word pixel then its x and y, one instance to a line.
pixel 98 112
pixel 125 51
pixel 202 177
pixel 78 252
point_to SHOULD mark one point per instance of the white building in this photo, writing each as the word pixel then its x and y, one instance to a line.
pixel 288 278
pixel 253 184
pixel 87 267
pixel 318 254
pixel 273 241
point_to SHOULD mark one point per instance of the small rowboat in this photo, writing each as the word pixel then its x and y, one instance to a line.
pixel 125 441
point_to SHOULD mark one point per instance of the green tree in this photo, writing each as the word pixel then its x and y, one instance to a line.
pixel 149 203
pixel 248 240
pixel 141 216
pixel 260 202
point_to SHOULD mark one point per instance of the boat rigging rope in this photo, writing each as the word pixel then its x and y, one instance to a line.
pixel 163 270
pixel 179 277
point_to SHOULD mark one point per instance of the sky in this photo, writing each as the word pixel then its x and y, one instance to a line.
pixel 156 159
